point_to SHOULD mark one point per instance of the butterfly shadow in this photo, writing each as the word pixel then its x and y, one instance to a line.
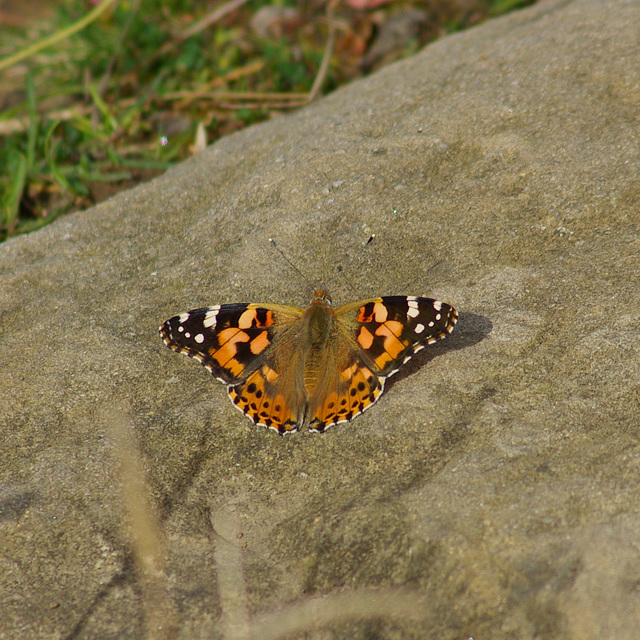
pixel 470 329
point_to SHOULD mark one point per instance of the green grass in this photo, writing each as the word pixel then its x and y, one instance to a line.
pixel 96 101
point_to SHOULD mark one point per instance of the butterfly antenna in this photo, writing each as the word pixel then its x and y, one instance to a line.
pixel 293 266
pixel 357 256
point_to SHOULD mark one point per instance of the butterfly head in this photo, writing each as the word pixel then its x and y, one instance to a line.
pixel 321 296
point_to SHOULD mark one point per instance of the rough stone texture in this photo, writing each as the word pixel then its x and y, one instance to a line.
pixel 493 489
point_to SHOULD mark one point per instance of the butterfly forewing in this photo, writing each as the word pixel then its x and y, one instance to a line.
pixel 229 339
pixel 390 330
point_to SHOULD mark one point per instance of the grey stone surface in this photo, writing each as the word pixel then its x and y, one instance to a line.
pixel 493 490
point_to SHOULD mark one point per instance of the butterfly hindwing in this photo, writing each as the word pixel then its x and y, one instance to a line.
pixel 352 390
pixel 271 399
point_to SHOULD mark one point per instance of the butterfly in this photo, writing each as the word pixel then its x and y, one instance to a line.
pixel 285 366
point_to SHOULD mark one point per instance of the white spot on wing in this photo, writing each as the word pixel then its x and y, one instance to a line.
pixel 437 305
pixel 183 317
pixel 210 317
pixel 199 338
pixel 419 328
pixel 412 311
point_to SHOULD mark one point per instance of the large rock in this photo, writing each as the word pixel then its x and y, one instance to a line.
pixel 493 490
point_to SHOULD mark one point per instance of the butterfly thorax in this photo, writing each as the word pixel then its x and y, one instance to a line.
pixel 319 321
pixel 319 327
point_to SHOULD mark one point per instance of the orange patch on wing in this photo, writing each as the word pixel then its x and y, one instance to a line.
pixel 228 349
pixel 347 374
pixel 247 319
pixel 380 312
pixel 395 327
pixel 259 343
pixel 269 374
pixel 250 319
pixel 365 338
pixel 392 345
pixel 383 359
pixel 362 316
pixel 229 334
pixel 234 367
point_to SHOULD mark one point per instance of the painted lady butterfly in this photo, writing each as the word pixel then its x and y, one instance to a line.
pixel 284 365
